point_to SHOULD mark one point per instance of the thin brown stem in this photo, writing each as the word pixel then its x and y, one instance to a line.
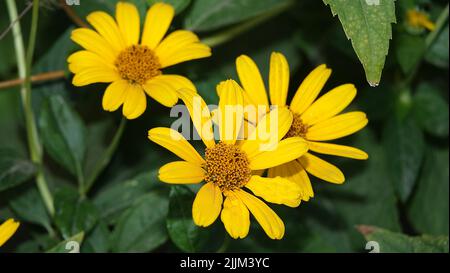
pixel 11 25
pixel 72 14
pixel 48 76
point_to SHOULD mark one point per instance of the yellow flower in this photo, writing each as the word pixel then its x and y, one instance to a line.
pixel 418 19
pixel 227 166
pixel 7 229
pixel 115 53
pixel 314 120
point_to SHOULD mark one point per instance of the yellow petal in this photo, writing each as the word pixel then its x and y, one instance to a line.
pixel 284 121
pixel 231 111
pixel 161 91
pixel 135 102
pixel 270 129
pixel 181 172
pixel 170 44
pixel 258 172
pixel 251 80
pixel 115 95
pixel 163 88
pixel 235 216
pixel 200 115
pixel 106 26
pixel 7 229
pixel 337 127
pixel 207 205
pixel 286 150
pixel 173 141
pixel 177 82
pixel 157 22
pixel 276 190
pixel 86 59
pixel 338 150
pixel 190 52
pixel 330 104
pixel 215 116
pixel 252 111
pixel 127 17
pixel 92 41
pixel 321 169
pixel 95 75
pixel 266 217
pixel 278 79
pixel 180 46
pixel 296 173
pixel 309 89
pixel 247 128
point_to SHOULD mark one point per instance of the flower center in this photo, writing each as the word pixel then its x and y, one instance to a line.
pixel 298 128
pixel 227 166
pixel 138 64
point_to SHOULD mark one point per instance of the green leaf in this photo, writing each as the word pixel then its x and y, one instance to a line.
pixel 437 54
pixel 367 23
pixel 431 110
pixel 118 197
pixel 366 197
pixel 97 241
pixel 404 144
pixel 14 170
pixel 142 228
pixel 63 134
pixel 73 214
pixel 38 243
pixel 28 206
pixel 55 58
pixel 391 242
pixel 207 15
pixel 178 5
pixel 98 135
pixel 409 50
pixel 182 230
pixel 71 244
pixel 11 119
pixel 326 223
pixel 428 210
pixel 309 228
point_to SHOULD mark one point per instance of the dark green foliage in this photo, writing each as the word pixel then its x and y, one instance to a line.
pixel 399 197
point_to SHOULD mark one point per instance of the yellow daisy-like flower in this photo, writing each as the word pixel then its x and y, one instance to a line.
pixel 7 229
pixel 227 166
pixel 314 120
pixel 115 53
pixel 419 19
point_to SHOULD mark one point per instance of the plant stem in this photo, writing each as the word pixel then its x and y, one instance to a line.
pixel 106 157
pixel 52 75
pixel 228 34
pixel 24 63
pixel 440 23
pixel 72 14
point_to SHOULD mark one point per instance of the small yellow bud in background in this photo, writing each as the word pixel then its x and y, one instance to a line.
pixel 419 19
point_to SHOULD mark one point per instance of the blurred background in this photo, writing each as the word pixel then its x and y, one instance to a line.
pixel 398 198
